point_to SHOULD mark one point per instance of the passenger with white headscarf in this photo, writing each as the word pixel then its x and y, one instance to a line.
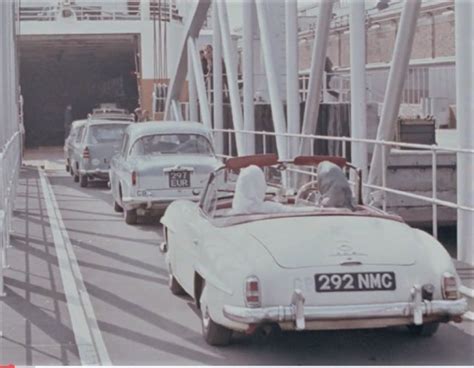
pixel 250 193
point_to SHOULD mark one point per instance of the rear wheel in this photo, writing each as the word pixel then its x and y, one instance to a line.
pixel 174 285
pixel 131 217
pixel 67 167
pixel 83 181
pixel 117 207
pixel 76 178
pixel 424 330
pixel 213 333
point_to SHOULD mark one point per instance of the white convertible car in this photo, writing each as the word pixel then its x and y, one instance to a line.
pixel 255 255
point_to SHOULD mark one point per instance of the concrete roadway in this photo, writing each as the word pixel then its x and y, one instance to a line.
pixel 138 319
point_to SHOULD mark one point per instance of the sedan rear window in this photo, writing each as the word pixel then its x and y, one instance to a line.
pixel 172 144
pixel 106 133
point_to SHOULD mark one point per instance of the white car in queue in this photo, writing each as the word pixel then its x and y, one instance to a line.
pixel 257 256
pixel 95 142
pixel 158 163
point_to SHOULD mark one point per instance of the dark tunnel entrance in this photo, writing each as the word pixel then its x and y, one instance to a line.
pixel 83 71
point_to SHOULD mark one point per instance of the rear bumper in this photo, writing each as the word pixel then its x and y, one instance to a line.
pixel 97 173
pixel 153 203
pixel 414 311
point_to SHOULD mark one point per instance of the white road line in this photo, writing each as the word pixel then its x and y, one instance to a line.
pixel 89 341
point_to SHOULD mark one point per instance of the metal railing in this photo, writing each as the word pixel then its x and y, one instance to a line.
pixel 100 10
pixel 421 82
pixel 383 189
pixel 10 160
pixel 10 135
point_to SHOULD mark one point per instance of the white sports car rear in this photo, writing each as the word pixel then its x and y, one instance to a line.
pixel 254 257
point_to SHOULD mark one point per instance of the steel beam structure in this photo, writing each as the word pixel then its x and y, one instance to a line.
pixel 218 110
pixel 278 114
pixel 292 81
pixel 231 72
pixel 318 59
pixel 196 17
pixel 248 11
pixel 464 36
pixel 358 84
pixel 396 80
pixel 200 85
pixel 192 91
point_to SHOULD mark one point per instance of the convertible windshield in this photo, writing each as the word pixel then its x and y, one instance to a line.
pixel 106 133
pixel 171 144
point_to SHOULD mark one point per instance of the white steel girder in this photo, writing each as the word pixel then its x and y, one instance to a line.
pixel 196 17
pixel 318 59
pixel 231 71
pixel 358 84
pixel 248 29
pixel 292 82
pixel 199 82
pixel 192 90
pixel 218 110
pixel 464 35
pixel 396 80
pixel 278 114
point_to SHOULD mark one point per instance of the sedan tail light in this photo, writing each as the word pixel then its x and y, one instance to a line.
pixel 252 292
pixel 86 153
pixel 134 178
pixel 449 286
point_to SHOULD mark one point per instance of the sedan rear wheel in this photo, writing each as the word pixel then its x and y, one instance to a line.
pixel 117 207
pixel 424 330
pixel 131 217
pixel 83 181
pixel 213 333
pixel 174 285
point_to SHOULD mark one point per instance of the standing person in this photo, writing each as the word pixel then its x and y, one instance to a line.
pixel 204 64
pixel 67 120
pixel 209 59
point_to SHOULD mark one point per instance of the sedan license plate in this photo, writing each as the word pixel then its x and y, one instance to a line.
pixel 179 179
pixel 356 281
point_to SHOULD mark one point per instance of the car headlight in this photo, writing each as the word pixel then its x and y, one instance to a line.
pixel 449 286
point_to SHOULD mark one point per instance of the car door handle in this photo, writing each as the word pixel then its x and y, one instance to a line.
pixel 196 242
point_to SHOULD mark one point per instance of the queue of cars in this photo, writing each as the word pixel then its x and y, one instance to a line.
pixel 256 255
pixel 148 165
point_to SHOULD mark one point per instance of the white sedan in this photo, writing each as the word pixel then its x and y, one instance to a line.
pixel 158 163
pixel 255 255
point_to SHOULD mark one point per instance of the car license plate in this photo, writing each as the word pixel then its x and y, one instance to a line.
pixel 179 179
pixel 356 281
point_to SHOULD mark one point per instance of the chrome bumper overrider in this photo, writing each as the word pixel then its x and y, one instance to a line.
pixel 299 313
